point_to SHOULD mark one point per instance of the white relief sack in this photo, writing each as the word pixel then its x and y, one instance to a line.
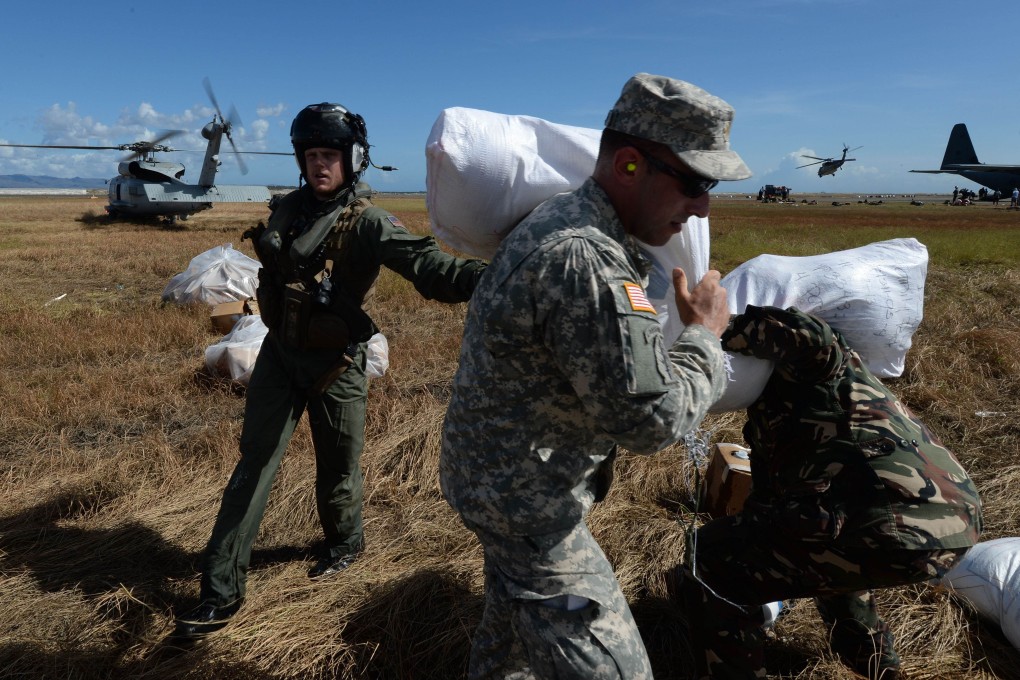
pixel 486 171
pixel 873 295
pixel 988 577
pixel 233 356
pixel 220 274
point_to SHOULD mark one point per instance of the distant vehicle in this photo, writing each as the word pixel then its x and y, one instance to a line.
pixel 960 159
pixel 829 166
pixel 147 188
pixel 770 193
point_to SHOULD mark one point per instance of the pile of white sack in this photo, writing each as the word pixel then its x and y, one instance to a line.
pixel 223 274
pixel 486 171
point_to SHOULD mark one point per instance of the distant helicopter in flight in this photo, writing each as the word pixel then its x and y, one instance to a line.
pixel 829 166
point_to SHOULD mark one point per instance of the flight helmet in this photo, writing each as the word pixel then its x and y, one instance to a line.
pixel 331 126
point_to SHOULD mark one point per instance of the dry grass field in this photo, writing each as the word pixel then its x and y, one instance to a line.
pixel 115 446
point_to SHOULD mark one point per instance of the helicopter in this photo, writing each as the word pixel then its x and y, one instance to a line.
pixel 829 166
pixel 150 188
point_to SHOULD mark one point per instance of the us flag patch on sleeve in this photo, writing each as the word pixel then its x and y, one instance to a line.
pixel 395 221
pixel 638 300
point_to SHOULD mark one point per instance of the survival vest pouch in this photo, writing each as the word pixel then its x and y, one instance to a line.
pixel 302 326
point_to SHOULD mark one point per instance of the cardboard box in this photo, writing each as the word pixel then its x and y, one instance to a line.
pixel 226 314
pixel 727 481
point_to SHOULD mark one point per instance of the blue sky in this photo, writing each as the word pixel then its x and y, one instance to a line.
pixel 805 77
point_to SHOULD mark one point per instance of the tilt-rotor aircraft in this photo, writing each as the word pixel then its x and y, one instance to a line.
pixel 960 159
pixel 148 188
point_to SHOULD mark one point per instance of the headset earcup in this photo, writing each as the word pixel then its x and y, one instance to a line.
pixel 357 157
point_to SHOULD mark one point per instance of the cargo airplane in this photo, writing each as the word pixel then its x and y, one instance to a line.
pixel 960 159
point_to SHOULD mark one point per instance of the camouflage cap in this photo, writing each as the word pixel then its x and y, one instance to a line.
pixel 694 124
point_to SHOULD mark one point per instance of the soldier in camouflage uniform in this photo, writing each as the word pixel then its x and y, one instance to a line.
pixel 563 360
pixel 850 492
pixel 321 254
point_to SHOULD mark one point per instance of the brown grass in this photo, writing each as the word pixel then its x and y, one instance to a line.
pixel 115 449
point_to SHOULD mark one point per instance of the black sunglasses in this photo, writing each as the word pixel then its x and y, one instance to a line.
pixel 693 185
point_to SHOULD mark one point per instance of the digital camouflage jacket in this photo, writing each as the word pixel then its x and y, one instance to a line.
pixel 834 453
pixel 563 359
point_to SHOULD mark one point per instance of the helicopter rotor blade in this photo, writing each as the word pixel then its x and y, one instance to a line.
pixel 212 97
pixel 235 119
pixel 61 146
pixel 816 158
pixel 809 164
pixel 237 154
pixel 146 147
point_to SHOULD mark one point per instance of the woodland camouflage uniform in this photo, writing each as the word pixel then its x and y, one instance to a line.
pixel 562 360
pixel 850 492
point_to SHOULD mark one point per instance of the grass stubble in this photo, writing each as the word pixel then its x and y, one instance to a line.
pixel 115 446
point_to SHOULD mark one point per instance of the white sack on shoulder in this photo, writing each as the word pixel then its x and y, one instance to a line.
pixel 873 295
pixel 988 577
pixel 220 274
pixel 233 357
pixel 486 171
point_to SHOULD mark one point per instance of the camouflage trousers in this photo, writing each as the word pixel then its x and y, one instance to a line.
pixel 735 565
pixel 553 609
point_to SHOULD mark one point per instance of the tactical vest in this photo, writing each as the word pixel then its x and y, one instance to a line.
pixel 300 261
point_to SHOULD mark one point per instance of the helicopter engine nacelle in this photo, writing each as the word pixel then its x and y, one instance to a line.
pixel 154 171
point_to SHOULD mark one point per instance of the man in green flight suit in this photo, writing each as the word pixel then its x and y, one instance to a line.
pixel 850 492
pixel 321 254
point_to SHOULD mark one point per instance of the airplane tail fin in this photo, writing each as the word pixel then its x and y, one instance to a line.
pixel 959 150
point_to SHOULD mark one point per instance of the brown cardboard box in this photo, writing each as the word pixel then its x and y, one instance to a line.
pixel 226 314
pixel 727 480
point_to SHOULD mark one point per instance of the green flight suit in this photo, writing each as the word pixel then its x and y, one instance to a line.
pixel 287 380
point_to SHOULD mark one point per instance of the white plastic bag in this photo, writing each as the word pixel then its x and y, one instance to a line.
pixel 220 274
pixel 486 171
pixel 234 355
pixel 988 577
pixel 377 356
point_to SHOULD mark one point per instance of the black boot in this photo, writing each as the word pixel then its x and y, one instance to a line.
pixel 204 619
pixel 870 655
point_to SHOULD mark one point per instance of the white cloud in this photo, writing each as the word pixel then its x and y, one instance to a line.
pixel 267 111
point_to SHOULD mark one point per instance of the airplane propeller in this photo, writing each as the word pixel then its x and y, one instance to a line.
pixel 227 123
